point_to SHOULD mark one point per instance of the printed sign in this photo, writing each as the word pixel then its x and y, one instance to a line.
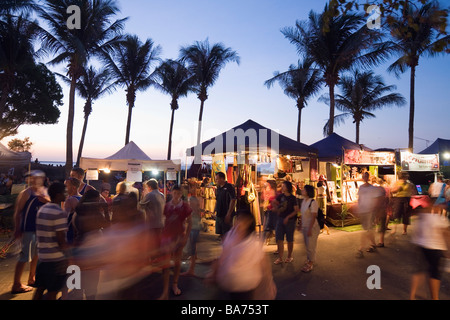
pixel 134 172
pixel 374 158
pixel 419 162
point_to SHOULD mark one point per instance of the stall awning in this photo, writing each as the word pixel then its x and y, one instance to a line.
pixel 438 146
pixel 254 138
pixel 129 155
pixel 330 149
pixel 10 158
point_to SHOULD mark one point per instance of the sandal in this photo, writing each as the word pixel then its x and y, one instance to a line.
pixel 372 249
pixel 24 289
pixel 307 267
pixel 288 260
pixel 278 261
pixel 380 245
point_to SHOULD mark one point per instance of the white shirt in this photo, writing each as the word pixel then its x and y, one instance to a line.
pixel 435 189
pixel 240 267
pixel 428 232
pixel 307 212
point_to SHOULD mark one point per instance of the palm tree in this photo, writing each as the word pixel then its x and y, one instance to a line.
pixel 301 82
pixel 336 43
pixel 91 86
pixel 130 64
pixel 416 34
pixel 8 7
pixel 173 78
pixel 205 62
pixel 362 93
pixel 75 47
pixel 17 55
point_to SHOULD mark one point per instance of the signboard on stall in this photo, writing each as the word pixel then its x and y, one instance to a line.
pixel 134 172
pixel 91 174
pixel 419 162
pixel 373 158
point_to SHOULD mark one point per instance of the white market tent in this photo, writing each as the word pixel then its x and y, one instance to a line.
pixel 10 158
pixel 130 155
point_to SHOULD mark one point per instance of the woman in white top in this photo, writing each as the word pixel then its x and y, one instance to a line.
pixel 310 226
pixel 429 238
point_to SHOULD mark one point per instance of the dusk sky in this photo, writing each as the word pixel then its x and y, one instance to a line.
pixel 252 28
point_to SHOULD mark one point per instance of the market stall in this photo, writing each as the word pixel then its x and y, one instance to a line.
pixel 244 150
pixel 343 162
pixel 134 162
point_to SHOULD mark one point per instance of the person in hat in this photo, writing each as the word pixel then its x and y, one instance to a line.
pixel 27 205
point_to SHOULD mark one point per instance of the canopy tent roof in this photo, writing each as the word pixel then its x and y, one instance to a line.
pixel 331 148
pixel 132 154
pixel 251 137
pixel 438 146
pixel 10 158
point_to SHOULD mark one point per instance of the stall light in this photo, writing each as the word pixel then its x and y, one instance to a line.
pixel 106 170
pixel 155 172
pixel 447 155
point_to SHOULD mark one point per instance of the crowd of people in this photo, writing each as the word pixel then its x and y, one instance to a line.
pixel 72 223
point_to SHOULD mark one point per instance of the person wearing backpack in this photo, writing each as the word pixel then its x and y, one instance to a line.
pixel 310 226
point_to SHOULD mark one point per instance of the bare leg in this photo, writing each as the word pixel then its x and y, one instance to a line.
pixel 33 265
pixel 280 245
pixel 176 272
pixel 416 279
pixel 290 246
pixel 434 288
pixel 166 278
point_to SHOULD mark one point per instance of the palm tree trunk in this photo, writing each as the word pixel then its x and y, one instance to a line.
pixel 83 135
pixel 130 101
pixel 200 117
pixel 411 109
pixel 69 132
pixel 169 149
pixel 331 121
pixel 299 123
pixel 357 131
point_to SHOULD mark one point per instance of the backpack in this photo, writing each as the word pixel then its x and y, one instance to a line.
pixel 320 216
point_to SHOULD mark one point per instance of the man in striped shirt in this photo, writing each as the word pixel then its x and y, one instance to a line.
pixel 51 228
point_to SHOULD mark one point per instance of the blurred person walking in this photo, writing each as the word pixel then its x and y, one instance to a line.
pixel 437 194
pixel 177 228
pixel 88 222
pixel 51 228
pixel 381 209
pixel 153 205
pixel 367 202
pixel 285 205
pixel 430 238
pixel 402 192
pixel 243 270
pixel 310 226
pixel 27 205
pixel 196 215
pixel 70 204
pixel 270 216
